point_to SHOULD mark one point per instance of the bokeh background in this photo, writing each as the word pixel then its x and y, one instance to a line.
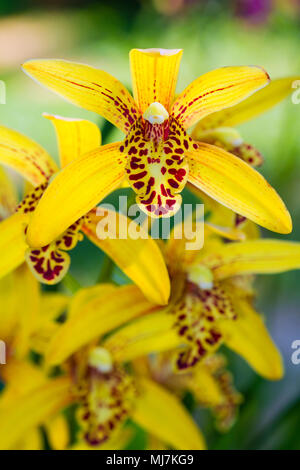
pixel 212 33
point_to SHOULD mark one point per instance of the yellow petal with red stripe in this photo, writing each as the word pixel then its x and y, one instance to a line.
pixel 162 414
pixel 88 87
pixel 74 192
pixel 249 338
pixel 102 313
pixel 25 156
pixel 254 257
pixel 74 137
pixel 217 90
pixel 154 76
pixel 253 106
pixel 35 407
pixel 139 258
pixel 12 242
pixel 237 186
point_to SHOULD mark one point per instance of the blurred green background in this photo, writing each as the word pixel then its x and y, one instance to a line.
pixel 212 33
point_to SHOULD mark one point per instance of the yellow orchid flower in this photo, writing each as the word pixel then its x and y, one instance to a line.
pixel 140 259
pixel 212 303
pixel 157 156
pixel 93 313
pixel 27 321
pixel 92 372
pixel 217 128
pixel 106 395
pixel 209 382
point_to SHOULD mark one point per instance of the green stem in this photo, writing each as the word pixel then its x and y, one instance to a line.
pixel 71 283
pixel 106 270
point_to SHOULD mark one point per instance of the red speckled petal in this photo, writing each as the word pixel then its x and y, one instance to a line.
pixel 157 171
pixel 197 317
pixel 50 263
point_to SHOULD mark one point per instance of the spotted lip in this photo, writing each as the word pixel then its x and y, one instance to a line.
pixel 156 168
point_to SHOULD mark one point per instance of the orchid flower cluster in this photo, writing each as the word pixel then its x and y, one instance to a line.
pixel 112 355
